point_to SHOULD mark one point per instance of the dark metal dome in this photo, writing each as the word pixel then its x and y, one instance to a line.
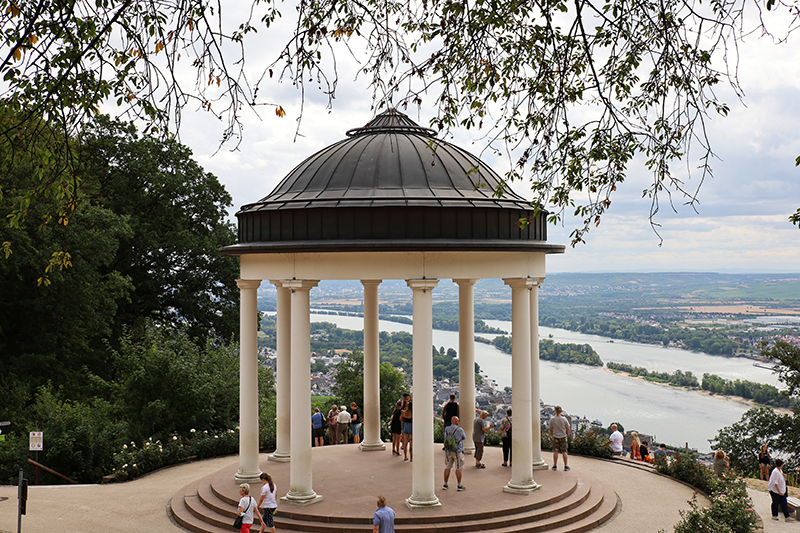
pixel 390 185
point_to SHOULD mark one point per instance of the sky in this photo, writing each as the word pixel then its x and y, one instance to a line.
pixel 740 223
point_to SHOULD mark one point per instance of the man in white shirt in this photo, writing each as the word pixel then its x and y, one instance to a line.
pixel 343 418
pixel 777 490
pixel 616 440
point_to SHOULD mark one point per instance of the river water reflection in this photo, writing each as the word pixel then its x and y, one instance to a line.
pixel 675 416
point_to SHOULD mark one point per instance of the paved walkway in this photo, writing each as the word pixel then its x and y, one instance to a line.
pixel 649 502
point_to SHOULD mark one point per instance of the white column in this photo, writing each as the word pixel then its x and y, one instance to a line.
pixel 521 471
pixel 282 379
pixel 371 410
pixel 301 491
pixel 466 358
pixel 249 471
pixel 536 421
pixel 423 495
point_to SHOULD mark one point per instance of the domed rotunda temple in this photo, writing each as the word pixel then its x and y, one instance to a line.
pixel 390 201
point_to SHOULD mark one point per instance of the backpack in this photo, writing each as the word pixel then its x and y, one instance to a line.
pixel 450 443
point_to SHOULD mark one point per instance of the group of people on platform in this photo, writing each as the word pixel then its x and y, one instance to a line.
pixel 639 451
pixel 402 426
pixel 340 425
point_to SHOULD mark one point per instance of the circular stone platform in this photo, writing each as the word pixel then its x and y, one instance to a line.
pixel 350 480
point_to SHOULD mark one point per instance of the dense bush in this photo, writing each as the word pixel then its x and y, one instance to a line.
pixel 133 461
pixel 730 509
pixel 742 440
pixel 162 384
pixel 586 441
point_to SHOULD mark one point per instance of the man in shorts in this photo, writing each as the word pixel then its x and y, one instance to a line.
pixel 454 456
pixel 559 429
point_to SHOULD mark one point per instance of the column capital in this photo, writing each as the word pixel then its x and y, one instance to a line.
pixel 300 284
pixel 523 283
pixel 248 283
pixel 468 281
pixel 371 282
pixel 423 284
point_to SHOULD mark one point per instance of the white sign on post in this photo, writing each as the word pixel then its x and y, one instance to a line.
pixel 37 441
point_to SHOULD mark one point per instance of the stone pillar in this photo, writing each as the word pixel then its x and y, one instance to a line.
pixel 538 462
pixel 301 491
pixel 466 358
pixel 283 375
pixel 371 410
pixel 249 471
pixel 522 470
pixel 423 495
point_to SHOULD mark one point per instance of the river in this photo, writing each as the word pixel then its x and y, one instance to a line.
pixel 676 416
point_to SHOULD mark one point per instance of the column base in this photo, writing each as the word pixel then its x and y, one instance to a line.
pixel 302 499
pixel 515 488
pixel 280 457
pixel 372 446
pixel 420 504
pixel 248 477
pixel 540 465
pixel 469 450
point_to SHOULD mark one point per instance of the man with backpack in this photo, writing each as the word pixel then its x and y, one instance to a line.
pixel 454 437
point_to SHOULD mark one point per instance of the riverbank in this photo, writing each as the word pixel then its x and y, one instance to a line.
pixel 729 397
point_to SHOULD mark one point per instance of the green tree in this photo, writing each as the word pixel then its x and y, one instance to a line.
pixel 178 216
pixel 780 432
pixel 349 383
pixel 143 246
pixel 787 366
pixel 153 366
pixel 581 88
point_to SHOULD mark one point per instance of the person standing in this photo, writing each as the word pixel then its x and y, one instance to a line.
pixel 344 424
pixel 383 519
pixel 333 425
pixel 408 430
pixel 397 427
pixel 777 490
pixel 268 503
pixel 479 435
pixel 721 463
pixel 454 437
pixel 559 430
pixel 355 422
pixel 505 428
pixel 763 463
pixel 318 427
pixel 616 440
pixel 450 410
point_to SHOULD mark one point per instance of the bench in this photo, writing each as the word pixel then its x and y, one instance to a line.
pixel 793 503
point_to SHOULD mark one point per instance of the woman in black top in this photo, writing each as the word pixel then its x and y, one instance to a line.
pixel 763 463
pixel 397 427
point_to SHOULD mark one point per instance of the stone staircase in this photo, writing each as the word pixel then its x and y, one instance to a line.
pixel 567 501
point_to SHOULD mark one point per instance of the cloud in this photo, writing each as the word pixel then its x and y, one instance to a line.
pixel 741 219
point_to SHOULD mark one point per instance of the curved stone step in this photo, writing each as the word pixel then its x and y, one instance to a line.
pixel 568 502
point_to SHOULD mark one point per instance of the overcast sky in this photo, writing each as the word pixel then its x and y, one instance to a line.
pixel 741 224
